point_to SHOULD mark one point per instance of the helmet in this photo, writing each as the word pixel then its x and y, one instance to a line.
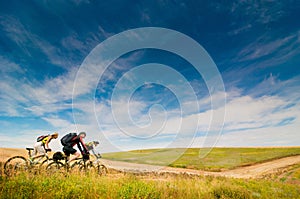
pixel 82 133
pixel 96 142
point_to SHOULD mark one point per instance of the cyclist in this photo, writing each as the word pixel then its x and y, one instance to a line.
pixel 72 139
pixel 43 145
pixel 91 146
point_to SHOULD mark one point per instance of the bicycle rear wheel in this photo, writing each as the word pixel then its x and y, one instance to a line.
pixel 16 165
pixel 102 170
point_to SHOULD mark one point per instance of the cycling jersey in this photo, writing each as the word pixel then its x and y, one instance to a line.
pixel 45 140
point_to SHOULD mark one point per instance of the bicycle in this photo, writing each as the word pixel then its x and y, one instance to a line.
pixel 80 164
pixel 62 165
pixel 100 168
pixel 19 164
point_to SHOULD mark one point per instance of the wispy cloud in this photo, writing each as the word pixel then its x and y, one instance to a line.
pixel 19 96
pixel 280 49
pixel 261 12
pixel 28 41
pixel 262 112
pixel 64 54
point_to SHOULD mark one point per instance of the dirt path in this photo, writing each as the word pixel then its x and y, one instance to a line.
pixel 254 171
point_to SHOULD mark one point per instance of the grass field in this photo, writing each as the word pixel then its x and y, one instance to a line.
pixel 290 175
pixel 150 186
pixel 218 158
pixel 284 184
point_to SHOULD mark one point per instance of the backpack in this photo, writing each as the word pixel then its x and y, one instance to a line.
pixel 67 139
pixel 41 137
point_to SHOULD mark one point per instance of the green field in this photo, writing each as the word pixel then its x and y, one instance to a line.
pixel 282 184
pixel 216 160
pixel 148 186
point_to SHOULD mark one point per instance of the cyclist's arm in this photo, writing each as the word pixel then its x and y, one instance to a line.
pixel 93 151
pixel 81 146
pixel 97 155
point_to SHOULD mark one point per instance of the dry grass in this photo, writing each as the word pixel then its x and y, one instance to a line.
pixel 132 186
pixel 6 153
pixel 120 185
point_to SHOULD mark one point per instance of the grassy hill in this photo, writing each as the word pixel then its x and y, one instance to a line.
pixel 217 159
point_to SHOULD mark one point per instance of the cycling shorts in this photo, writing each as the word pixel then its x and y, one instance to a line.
pixel 69 150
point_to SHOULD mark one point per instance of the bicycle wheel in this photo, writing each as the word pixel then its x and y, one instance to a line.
pixel 102 170
pixel 75 167
pixel 80 166
pixel 56 167
pixel 45 163
pixel 16 165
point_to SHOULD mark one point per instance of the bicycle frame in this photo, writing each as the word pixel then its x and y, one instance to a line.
pixel 83 164
pixel 39 157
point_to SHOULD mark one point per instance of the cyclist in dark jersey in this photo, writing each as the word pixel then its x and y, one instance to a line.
pixel 71 142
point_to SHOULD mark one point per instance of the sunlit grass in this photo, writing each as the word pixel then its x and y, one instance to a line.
pixel 289 175
pixel 146 186
pixel 216 160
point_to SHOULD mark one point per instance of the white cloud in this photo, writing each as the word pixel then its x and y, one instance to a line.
pixel 249 121
pixel 249 114
pixel 25 96
pixel 252 119
pixel 57 122
pixel 270 136
pixel 7 67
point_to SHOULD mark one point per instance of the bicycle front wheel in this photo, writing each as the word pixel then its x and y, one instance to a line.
pixel 16 165
pixel 87 167
pixel 102 170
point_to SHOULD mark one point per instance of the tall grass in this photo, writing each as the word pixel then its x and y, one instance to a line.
pixel 149 186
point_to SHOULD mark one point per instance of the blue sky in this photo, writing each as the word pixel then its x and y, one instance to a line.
pixel 255 46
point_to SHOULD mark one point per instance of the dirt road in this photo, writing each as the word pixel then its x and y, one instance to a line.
pixel 254 171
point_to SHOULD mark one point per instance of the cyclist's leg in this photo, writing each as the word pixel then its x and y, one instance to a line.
pixel 75 155
pixel 68 150
pixel 35 151
pixel 39 150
